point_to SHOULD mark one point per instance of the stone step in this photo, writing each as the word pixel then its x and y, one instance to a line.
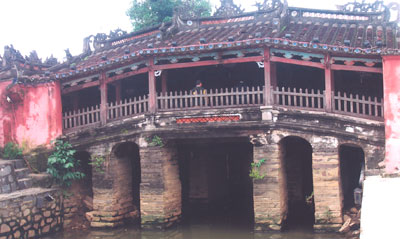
pixel 22 173
pixel 18 163
pixel 24 183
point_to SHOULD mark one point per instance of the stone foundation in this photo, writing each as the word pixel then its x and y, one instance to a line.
pixel 160 188
pixel 326 177
pixel 113 203
pixel 266 192
pixel 30 213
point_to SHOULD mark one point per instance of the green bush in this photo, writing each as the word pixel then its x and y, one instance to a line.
pixel 255 170
pixel 62 165
pixel 12 151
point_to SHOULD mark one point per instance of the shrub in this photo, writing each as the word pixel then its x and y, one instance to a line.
pixel 255 170
pixel 62 164
pixel 12 151
pixel 97 162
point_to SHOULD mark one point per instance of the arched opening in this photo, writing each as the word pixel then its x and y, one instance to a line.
pixel 126 174
pixel 297 184
pixel 83 189
pixel 216 188
pixel 351 167
pixel 83 158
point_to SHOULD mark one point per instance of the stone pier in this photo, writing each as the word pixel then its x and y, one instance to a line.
pixel 160 188
pixel 326 179
pixel 266 191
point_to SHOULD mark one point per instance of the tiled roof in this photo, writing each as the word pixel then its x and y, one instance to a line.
pixel 340 32
pixel 305 29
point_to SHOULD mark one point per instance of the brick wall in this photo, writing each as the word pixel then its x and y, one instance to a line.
pixel 160 189
pixel 266 192
pixel 326 177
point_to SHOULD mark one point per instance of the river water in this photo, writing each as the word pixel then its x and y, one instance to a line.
pixel 194 232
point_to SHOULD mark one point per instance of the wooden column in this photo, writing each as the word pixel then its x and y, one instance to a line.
pixel 117 85
pixel 329 84
pixel 152 88
pixel 103 98
pixel 267 78
pixel 274 80
pixel 164 77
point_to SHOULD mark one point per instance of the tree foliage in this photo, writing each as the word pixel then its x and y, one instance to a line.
pixel 146 13
pixel 62 165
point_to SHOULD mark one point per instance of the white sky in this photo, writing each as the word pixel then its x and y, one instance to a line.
pixel 50 26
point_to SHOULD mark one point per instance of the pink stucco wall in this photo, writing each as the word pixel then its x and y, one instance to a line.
pixel 391 83
pixel 33 120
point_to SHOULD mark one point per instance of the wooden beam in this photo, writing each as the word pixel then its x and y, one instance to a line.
pixel 103 98
pixel 80 87
pixel 267 78
pixel 127 74
pixel 297 62
pixel 356 68
pixel 152 88
pixel 329 84
pixel 209 63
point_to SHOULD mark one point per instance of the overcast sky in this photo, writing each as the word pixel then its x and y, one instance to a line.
pixel 50 26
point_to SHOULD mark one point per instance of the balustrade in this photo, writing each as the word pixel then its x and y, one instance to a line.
pixel 309 99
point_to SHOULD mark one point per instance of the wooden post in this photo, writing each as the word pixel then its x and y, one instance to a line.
pixel 103 98
pixel 329 84
pixel 274 80
pixel 117 85
pixel 267 78
pixel 164 77
pixel 152 88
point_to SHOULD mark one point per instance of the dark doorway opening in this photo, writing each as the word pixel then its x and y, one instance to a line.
pixel 216 187
pixel 83 159
pixel 300 77
pixel 88 97
pixel 127 175
pixel 296 166
pixel 351 165
pixel 215 77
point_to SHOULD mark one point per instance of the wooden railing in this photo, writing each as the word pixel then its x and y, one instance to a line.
pixel 82 117
pixel 127 108
pixel 348 104
pixel 298 98
pixel 208 99
pixel 356 105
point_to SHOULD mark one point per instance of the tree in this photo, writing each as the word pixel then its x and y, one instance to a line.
pixel 146 13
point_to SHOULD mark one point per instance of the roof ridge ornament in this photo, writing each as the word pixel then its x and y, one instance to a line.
pixel 228 9
pixel 278 6
pixel 377 7
pixel 176 24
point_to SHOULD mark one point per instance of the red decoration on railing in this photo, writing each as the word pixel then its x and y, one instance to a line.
pixel 228 118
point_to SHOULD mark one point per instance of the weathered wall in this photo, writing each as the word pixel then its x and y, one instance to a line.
pixel 113 203
pixel 28 214
pixel 391 83
pixel 326 180
pixel 267 197
pixel 34 117
pixel 160 188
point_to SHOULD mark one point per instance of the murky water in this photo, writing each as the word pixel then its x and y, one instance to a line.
pixel 194 232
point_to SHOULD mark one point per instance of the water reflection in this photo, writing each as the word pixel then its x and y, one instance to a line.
pixel 194 232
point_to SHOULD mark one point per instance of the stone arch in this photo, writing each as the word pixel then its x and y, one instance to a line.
pixel 352 166
pixel 297 204
pixel 126 175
